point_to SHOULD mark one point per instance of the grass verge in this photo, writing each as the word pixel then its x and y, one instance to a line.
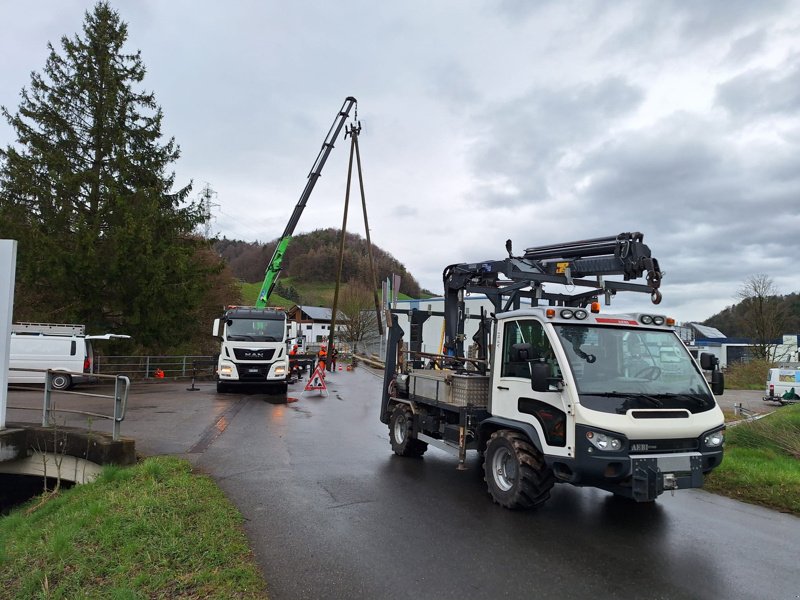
pixel 154 530
pixel 762 462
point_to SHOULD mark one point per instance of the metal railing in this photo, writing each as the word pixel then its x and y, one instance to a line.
pixel 122 386
pixel 150 367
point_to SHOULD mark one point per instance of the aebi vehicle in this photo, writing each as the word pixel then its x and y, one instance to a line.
pixel 551 390
pixel 253 350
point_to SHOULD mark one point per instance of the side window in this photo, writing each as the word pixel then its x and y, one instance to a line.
pixel 523 341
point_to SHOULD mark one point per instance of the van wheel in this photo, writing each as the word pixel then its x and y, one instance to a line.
pixel 515 472
pixel 61 381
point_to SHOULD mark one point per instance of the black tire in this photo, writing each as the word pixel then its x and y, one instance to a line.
pixel 515 472
pixel 221 387
pixel 60 381
pixel 401 433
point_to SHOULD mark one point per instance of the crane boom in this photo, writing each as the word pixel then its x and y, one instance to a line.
pixel 275 264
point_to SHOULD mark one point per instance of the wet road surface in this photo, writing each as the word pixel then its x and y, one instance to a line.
pixel 332 513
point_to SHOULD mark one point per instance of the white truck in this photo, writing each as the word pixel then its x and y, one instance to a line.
pixel 556 391
pixel 61 347
pixel 253 349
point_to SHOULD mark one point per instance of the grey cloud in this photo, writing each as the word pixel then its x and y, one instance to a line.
pixel 527 136
pixel 761 92
pixel 746 47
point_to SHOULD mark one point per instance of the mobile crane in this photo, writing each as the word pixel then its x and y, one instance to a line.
pixel 552 390
pixel 254 338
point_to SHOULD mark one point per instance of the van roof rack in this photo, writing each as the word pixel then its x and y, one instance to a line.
pixel 49 328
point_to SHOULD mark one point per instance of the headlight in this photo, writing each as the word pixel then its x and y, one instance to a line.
pixel 658 320
pixel 280 370
pixel 567 313
pixel 604 442
pixel 646 319
pixel 581 314
pixel 226 370
pixel 714 439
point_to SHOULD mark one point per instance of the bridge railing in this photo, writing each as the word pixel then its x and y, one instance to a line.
pixel 150 367
pixel 122 386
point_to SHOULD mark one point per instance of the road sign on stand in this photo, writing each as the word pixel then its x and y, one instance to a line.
pixel 317 381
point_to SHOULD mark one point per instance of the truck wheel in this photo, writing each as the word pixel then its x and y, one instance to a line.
pixel 515 472
pixel 61 381
pixel 401 433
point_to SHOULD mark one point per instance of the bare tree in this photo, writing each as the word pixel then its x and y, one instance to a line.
pixel 764 317
pixel 360 321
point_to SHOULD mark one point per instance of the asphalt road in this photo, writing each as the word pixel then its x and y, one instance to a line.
pixel 332 513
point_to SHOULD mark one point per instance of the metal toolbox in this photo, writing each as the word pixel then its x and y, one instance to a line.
pixel 469 390
pixel 429 384
pixel 449 387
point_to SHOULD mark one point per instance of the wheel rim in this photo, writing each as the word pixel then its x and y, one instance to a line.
pixel 504 468
pixel 59 382
pixel 400 426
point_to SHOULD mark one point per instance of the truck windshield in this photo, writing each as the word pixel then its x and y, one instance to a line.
pixel 617 369
pixel 255 330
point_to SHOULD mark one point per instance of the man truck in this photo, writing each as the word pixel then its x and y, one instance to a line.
pixel 255 348
pixel 551 390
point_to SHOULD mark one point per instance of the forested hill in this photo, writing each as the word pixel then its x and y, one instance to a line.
pixel 736 321
pixel 314 258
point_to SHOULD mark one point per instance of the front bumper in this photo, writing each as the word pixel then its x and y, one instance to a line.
pixel 231 372
pixel 640 476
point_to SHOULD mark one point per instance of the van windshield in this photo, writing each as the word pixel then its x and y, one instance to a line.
pixel 616 369
pixel 255 330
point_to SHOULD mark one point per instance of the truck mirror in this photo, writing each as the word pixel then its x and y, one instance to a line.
pixel 708 361
pixel 717 383
pixel 215 328
pixel 540 374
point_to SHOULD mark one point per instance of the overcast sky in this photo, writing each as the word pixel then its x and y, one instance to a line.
pixel 541 122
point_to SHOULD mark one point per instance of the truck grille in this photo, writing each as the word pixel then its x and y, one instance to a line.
pixel 253 354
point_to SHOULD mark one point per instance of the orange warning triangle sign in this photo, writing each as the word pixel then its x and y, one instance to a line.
pixel 317 381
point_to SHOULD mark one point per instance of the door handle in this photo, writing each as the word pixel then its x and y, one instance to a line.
pixel 500 387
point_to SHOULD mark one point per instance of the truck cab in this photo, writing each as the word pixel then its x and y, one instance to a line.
pixel 253 349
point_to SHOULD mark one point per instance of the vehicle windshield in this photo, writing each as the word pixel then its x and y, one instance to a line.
pixel 255 330
pixel 616 369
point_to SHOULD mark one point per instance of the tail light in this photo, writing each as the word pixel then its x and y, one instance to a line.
pixel 87 365
pixel 771 389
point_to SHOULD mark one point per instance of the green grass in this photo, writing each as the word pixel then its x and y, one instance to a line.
pixel 762 462
pixel 155 530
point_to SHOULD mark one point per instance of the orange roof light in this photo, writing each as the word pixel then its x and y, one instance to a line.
pixel 595 307
pixel 670 322
pixel 550 312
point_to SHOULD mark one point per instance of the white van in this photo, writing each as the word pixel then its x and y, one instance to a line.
pixel 52 346
pixel 783 385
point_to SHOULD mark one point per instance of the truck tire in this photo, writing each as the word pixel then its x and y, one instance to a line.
pixel 221 387
pixel 60 381
pixel 515 472
pixel 401 433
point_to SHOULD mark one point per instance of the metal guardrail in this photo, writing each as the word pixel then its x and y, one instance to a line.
pixel 122 386
pixel 148 367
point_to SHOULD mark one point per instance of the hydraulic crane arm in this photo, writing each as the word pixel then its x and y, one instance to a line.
pixel 274 267
pixel 567 264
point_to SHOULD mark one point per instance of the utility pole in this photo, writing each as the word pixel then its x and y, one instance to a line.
pixel 206 195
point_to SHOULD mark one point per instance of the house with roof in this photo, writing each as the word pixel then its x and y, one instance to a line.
pixel 313 323
pixel 702 338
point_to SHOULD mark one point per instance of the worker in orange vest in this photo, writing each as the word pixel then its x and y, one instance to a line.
pixel 322 356
pixel 294 369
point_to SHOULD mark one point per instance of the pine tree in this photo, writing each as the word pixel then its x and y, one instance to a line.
pixel 103 238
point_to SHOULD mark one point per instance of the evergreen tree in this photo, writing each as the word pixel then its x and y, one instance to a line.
pixel 103 238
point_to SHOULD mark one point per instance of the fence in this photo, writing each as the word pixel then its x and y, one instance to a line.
pixel 149 367
pixel 120 398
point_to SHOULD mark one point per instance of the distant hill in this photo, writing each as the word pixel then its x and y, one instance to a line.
pixel 311 264
pixel 730 320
